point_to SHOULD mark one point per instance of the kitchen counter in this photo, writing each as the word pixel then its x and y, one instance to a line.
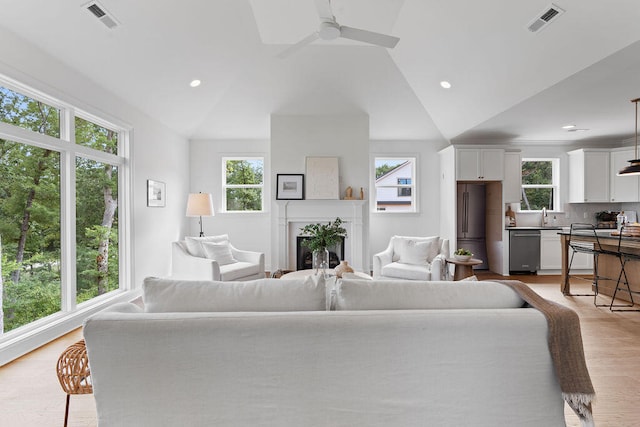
pixel 552 227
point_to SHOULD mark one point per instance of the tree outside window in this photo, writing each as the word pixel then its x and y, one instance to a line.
pixel 243 184
pixel 539 184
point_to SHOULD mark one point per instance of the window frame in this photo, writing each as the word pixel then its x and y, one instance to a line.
pixel 226 186
pixel 555 182
pixel 413 187
pixel 15 342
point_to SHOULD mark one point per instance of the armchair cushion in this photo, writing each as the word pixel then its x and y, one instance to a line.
pixel 194 244
pixel 220 252
pixel 418 252
pixel 238 270
pixel 406 271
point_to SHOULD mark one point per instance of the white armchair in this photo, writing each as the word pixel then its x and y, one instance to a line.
pixel 214 258
pixel 412 258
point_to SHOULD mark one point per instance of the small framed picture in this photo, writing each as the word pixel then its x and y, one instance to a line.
pixel 156 193
pixel 290 187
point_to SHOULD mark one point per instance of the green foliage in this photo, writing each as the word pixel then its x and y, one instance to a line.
pixel 247 175
pixel 537 173
pixel 384 169
pixel 30 214
pixel 463 252
pixel 322 236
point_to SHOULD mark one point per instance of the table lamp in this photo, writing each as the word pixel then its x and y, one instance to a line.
pixel 200 204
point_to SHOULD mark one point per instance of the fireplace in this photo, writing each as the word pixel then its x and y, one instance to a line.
pixel 304 255
pixel 295 214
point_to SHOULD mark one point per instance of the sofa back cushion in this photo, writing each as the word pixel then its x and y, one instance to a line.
pixel 171 295
pixel 418 295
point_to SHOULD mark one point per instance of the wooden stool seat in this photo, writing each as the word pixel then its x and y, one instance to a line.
pixel 73 372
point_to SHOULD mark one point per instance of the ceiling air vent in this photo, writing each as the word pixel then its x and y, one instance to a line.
pixel 548 15
pixel 101 13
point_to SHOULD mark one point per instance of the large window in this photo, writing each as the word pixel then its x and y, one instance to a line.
pixel 243 184
pixel 59 244
pixel 395 184
pixel 540 189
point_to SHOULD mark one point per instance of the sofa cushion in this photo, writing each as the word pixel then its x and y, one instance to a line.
pixel 194 244
pixel 407 271
pixel 171 295
pixel 238 270
pixel 220 252
pixel 406 295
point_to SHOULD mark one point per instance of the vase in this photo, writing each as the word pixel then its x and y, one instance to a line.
pixel 342 268
pixel 320 261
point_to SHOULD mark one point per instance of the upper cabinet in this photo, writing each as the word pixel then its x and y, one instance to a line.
pixel 589 175
pixel 479 164
pixel 512 184
pixel 623 188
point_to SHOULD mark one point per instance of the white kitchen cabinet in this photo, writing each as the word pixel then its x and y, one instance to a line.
pixel 512 184
pixel 551 253
pixel 589 175
pixel 623 188
pixel 479 164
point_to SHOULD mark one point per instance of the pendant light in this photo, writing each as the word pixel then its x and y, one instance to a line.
pixel 634 166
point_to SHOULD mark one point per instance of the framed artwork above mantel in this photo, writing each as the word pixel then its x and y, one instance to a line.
pixel 290 186
pixel 323 178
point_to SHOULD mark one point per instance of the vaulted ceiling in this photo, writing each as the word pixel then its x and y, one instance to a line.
pixel 509 85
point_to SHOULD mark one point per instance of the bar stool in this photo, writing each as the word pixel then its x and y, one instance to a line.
pixel 73 373
pixel 590 247
pixel 624 256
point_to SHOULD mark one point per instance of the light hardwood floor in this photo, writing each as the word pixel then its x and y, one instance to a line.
pixel 30 394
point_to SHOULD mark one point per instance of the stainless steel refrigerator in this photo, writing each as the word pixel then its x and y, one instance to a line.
pixel 471 221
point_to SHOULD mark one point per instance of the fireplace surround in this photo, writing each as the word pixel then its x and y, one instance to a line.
pixel 295 214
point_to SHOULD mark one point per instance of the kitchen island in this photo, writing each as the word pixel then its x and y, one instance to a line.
pixel 608 266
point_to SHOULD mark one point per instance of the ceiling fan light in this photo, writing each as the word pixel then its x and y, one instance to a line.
pixel 329 31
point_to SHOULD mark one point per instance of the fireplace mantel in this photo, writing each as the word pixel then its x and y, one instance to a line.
pixel 294 214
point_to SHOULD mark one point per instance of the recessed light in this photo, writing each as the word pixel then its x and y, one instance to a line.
pixel 577 130
pixel 568 126
pixel 195 83
pixel 445 84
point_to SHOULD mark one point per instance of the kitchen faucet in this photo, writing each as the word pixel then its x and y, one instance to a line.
pixel 544 220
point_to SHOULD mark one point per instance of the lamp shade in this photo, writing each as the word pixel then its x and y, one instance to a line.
pixel 200 204
pixel 634 167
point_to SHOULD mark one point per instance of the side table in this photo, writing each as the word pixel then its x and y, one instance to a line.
pixel 463 269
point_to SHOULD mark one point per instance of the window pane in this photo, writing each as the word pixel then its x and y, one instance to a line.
pixel 241 172
pixel 95 136
pixel 29 233
pixel 96 228
pixel 535 199
pixel 244 199
pixel 537 172
pixel 27 113
pixel 394 178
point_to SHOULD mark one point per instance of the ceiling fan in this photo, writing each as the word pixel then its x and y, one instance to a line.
pixel 329 29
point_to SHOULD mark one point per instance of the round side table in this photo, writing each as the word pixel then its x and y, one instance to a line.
pixel 463 269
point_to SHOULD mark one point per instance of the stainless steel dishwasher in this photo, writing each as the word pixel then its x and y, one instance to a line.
pixel 524 251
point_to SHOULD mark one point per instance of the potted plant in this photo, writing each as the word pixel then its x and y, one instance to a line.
pixel 462 254
pixel 320 238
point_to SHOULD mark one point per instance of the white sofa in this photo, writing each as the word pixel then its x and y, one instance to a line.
pixel 266 353
pixel 412 258
pixel 190 260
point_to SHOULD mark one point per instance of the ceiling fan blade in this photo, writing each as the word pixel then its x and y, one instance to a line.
pixel 295 47
pixel 324 9
pixel 369 37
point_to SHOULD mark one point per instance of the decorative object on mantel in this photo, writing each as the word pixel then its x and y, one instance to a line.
pixel 290 186
pixel 348 193
pixel 321 237
pixel 634 166
pixel 342 268
pixel 361 193
pixel 156 196
pixel 200 204
pixel 322 178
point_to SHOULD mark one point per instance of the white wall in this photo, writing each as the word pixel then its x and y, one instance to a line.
pixel 248 231
pixel 156 151
pixel 425 222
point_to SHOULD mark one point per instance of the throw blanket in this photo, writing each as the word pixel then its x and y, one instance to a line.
pixel 565 346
